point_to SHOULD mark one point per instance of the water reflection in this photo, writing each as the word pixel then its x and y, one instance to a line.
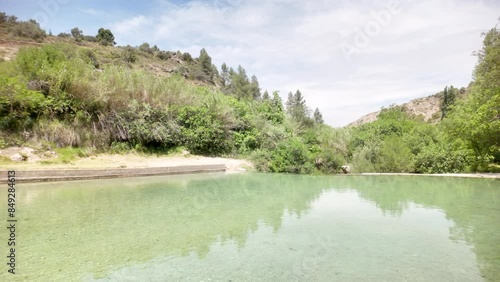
pixel 112 229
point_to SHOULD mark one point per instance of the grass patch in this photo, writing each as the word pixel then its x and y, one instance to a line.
pixel 67 155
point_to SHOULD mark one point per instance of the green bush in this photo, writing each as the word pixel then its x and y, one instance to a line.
pixel 394 156
pixel 291 156
pixel 18 105
pixel 30 29
pixel 442 158
pixel 202 130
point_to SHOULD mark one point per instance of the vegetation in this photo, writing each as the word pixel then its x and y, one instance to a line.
pixel 97 99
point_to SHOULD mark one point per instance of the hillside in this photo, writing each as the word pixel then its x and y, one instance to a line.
pixel 429 108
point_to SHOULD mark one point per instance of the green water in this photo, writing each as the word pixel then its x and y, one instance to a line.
pixel 257 227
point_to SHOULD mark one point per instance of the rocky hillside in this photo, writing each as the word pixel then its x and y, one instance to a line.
pixel 428 108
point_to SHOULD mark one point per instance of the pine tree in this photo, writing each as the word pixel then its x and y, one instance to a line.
pixel 254 87
pixel 205 62
pixel 265 96
pixel 225 75
pixel 318 117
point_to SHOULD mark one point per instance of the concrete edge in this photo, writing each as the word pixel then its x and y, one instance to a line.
pixel 82 174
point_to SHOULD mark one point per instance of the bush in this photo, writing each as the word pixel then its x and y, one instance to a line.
pixel 442 159
pixel 18 105
pixel 30 29
pixel 202 130
pixel 187 57
pixel 129 54
pixel 164 55
pixel 291 156
pixel 394 156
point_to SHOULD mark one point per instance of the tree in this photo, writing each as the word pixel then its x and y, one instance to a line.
pixel 296 107
pixel 254 87
pixel 265 96
pixel 105 37
pixel 277 106
pixel 449 97
pixel 205 62
pixel 225 75
pixel 239 86
pixel 318 117
pixel 77 34
pixel 477 119
pixel 3 17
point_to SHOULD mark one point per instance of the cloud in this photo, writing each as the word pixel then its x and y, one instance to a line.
pixel 293 45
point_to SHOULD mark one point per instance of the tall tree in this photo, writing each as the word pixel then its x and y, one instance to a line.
pixel 449 97
pixel 254 87
pixel 318 117
pixel 296 107
pixel 277 106
pixel 205 62
pixel 265 96
pixel 225 75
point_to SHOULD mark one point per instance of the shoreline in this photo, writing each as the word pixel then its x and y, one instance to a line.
pixel 460 175
pixel 55 174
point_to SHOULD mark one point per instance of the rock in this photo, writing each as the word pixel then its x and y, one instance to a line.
pixel 16 157
pixel 346 169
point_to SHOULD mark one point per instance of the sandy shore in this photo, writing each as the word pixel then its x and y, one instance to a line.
pixel 135 161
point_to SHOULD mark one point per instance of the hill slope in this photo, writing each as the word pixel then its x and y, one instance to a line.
pixel 428 108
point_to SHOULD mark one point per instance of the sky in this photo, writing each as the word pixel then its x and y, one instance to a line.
pixel 347 57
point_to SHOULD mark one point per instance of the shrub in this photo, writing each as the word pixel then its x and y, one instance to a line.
pixel 18 105
pixel 129 54
pixel 394 156
pixel 291 156
pixel 164 55
pixel 202 130
pixel 442 159
pixel 30 29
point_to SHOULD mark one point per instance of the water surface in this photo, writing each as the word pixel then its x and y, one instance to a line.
pixel 258 227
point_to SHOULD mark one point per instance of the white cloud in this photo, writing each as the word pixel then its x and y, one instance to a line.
pixel 293 45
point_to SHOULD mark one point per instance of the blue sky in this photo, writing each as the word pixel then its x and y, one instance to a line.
pixel 347 57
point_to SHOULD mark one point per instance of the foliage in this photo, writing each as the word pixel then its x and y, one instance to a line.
pixel 205 62
pixel 77 34
pixel 317 116
pixel 129 54
pixel 202 131
pixel 476 120
pixel 105 37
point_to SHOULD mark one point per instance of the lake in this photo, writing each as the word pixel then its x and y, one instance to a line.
pixel 257 227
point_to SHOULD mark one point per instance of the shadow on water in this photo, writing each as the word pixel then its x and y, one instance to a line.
pixel 73 228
